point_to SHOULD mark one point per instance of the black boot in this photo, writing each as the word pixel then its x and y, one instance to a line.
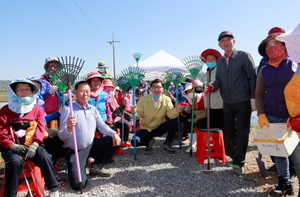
pixel 284 187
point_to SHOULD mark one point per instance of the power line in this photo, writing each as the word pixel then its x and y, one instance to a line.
pixel 89 20
pixel 77 23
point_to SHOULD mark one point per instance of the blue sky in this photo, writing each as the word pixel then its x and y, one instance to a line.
pixel 35 29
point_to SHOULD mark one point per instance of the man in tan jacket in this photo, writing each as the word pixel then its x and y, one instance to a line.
pixel 152 110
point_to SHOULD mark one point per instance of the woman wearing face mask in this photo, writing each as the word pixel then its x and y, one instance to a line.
pixel 114 113
pixel 24 119
pixel 102 69
pixel 199 110
pixel 210 57
pixel 270 101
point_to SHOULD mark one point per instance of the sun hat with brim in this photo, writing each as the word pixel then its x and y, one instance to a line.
pixel 188 86
pixel 108 83
pixel 51 59
pixel 292 43
pixel 102 64
pixel 94 74
pixel 262 46
pixel 207 52
pixel 35 89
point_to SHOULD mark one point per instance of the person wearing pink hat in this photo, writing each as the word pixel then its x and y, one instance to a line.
pixel 114 113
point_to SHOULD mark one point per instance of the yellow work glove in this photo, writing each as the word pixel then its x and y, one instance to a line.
pixel 263 121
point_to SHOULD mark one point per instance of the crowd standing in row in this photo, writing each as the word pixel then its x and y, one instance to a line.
pixel 36 124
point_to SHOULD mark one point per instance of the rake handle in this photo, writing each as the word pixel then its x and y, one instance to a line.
pixel 75 140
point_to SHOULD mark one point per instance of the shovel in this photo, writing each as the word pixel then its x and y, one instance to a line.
pixel 261 166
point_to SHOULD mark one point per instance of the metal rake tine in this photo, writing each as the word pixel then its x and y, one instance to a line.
pixel 76 61
pixel 62 60
pixel 73 60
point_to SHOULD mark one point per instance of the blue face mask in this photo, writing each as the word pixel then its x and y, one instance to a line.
pixel 27 99
pixel 211 64
pixel 156 97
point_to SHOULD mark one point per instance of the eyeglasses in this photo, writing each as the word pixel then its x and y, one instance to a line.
pixel 156 87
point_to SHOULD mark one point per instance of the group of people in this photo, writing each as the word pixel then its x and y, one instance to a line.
pixel 231 87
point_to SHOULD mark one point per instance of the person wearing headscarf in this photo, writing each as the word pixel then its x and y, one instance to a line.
pixel 22 132
pixel 270 102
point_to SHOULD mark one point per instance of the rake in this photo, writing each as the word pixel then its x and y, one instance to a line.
pixel 177 76
pixel 122 82
pixel 68 73
pixel 167 80
pixel 134 75
pixel 194 65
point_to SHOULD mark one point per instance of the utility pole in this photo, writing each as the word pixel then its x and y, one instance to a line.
pixel 113 45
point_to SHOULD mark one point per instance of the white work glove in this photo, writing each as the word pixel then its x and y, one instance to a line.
pixel 253 106
pixel 53 89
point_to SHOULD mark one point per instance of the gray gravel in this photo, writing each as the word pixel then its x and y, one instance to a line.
pixel 157 173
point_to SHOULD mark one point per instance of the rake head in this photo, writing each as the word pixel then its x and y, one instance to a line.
pixel 194 64
pixel 167 80
pixel 133 75
pixel 69 70
pixel 122 82
pixel 176 75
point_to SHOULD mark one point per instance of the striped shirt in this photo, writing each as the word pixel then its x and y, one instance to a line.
pixel 236 80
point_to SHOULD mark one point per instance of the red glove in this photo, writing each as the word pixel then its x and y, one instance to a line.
pixel 209 89
pixel 184 103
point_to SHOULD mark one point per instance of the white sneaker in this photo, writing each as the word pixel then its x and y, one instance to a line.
pixel 54 194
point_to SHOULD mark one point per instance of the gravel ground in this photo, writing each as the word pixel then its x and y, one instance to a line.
pixel 157 173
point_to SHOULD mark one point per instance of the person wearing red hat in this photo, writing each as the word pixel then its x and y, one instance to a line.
pixel 235 77
pixel 210 57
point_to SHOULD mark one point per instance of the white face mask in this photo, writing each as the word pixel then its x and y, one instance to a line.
pixel 102 70
pixel 190 94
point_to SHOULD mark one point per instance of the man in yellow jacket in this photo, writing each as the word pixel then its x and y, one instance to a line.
pixel 152 111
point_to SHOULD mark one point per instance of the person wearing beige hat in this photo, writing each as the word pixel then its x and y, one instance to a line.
pixel 236 79
pixel 102 69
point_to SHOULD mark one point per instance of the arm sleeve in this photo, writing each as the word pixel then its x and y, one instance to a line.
pixel 260 93
pixel 63 133
pixel 249 68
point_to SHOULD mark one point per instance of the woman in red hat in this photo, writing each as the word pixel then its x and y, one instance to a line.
pixel 210 57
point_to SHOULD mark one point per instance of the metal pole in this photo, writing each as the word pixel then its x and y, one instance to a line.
pixel 113 45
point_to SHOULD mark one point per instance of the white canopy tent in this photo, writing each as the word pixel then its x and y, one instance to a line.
pixel 157 65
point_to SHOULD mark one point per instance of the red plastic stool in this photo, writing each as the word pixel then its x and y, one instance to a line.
pixel 34 184
pixel 217 149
